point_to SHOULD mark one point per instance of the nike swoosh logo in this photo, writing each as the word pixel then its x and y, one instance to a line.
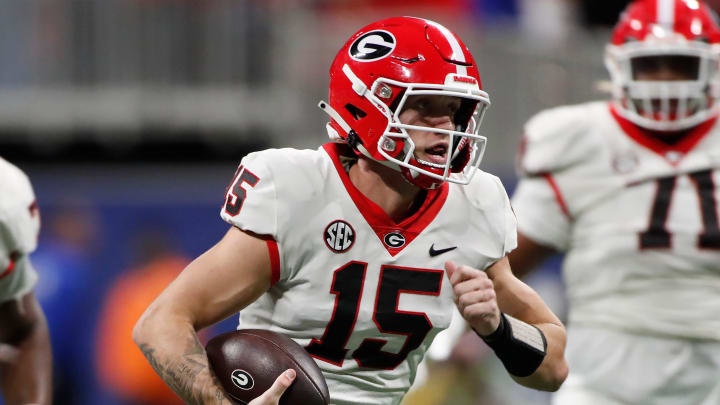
pixel 434 252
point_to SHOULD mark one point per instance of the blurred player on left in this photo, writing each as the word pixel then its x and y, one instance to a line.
pixel 25 359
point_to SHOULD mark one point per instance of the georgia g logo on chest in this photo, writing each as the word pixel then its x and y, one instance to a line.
pixel 339 236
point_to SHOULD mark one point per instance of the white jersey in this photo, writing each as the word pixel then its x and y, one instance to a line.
pixel 638 219
pixel 19 227
pixel 363 294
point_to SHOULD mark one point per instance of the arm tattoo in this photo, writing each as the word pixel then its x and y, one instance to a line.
pixel 181 374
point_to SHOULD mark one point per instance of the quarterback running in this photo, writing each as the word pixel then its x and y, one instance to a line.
pixel 629 191
pixel 360 249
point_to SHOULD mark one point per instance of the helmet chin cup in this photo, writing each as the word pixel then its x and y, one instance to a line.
pixel 417 179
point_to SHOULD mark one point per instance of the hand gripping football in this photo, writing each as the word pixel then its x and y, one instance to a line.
pixel 247 362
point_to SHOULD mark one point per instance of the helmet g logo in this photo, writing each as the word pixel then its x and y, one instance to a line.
pixel 242 380
pixel 372 46
pixel 394 239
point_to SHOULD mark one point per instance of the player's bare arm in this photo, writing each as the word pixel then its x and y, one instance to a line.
pixel 482 298
pixel 25 360
pixel 528 255
pixel 223 280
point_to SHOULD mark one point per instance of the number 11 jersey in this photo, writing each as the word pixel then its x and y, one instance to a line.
pixel 363 294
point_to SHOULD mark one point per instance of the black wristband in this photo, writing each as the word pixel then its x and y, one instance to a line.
pixel 520 346
pixel 498 334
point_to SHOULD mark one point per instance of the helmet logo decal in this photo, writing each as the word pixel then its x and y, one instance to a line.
pixel 372 46
pixel 394 239
pixel 339 236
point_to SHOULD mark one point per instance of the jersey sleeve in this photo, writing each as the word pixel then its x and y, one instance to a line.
pixel 510 221
pixel 494 219
pixel 251 204
pixel 251 197
pixel 17 279
pixel 555 140
pixel 19 228
pixel 541 212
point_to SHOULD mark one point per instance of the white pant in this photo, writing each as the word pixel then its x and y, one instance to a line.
pixel 616 368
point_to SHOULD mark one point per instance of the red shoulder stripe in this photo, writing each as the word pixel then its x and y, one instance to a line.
pixel 558 195
pixel 274 261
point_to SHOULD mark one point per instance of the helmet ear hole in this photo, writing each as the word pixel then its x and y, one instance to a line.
pixel 355 111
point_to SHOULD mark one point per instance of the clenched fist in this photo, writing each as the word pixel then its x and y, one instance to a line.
pixel 475 297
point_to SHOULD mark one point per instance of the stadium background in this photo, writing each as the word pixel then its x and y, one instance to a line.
pixel 130 117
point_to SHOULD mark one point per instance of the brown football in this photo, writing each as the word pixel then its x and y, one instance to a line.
pixel 247 362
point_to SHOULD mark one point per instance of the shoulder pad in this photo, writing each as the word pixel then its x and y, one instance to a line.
pixel 559 138
pixel 487 194
pixel 265 183
pixel 15 188
pixel 19 218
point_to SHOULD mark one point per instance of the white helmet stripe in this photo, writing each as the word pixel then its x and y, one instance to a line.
pixel 666 13
pixel 458 54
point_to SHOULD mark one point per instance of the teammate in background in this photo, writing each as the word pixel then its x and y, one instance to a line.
pixel 25 359
pixel 629 191
pixel 358 249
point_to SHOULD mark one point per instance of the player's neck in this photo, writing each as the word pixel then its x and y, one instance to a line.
pixel 669 137
pixel 386 188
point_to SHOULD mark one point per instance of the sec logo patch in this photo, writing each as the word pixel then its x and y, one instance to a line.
pixel 339 236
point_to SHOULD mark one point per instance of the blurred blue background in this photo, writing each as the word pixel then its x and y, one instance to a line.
pixel 102 228
pixel 130 117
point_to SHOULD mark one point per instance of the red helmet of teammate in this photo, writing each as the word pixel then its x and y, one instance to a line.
pixel 663 61
pixel 375 72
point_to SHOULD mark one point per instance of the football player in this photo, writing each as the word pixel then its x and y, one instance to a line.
pixel 629 191
pixel 359 250
pixel 25 360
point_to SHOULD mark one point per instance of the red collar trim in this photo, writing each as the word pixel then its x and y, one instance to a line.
pixel 378 220
pixel 683 146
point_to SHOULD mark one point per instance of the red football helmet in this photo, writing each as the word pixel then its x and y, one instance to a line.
pixel 677 35
pixel 375 72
